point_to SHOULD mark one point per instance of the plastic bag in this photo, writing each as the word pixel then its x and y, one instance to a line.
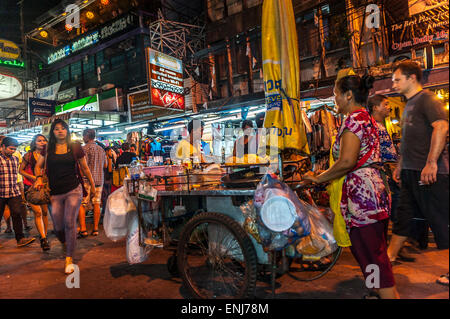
pixel 118 205
pixel 270 187
pixel 320 242
pixel 135 253
pixel 250 224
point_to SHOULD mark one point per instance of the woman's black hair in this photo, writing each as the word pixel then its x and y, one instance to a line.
pixel 359 86
pixel 375 100
pixel 248 123
pixel 33 141
pixel 52 140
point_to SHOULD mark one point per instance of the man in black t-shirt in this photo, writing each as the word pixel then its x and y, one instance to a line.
pixel 127 157
pixel 423 168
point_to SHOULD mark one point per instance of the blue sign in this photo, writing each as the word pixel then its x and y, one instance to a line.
pixel 40 108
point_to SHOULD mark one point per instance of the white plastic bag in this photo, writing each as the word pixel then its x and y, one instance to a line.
pixel 118 205
pixel 136 254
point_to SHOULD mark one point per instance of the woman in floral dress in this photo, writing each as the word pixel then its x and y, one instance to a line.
pixel 365 203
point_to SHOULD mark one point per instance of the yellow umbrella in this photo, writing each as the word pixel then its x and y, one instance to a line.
pixel 281 69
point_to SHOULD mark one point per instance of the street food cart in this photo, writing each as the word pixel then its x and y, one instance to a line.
pixel 202 223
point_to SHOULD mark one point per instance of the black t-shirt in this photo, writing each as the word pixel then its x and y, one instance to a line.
pixel 126 158
pixel 62 174
pixel 420 112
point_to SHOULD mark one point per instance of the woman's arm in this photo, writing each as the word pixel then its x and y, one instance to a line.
pixel 38 171
pixel 348 157
pixel 23 164
pixel 86 171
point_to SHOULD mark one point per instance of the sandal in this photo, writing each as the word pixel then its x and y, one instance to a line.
pixel 94 232
pixel 82 234
pixel 443 280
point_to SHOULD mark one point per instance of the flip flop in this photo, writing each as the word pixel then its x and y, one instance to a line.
pixel 94 232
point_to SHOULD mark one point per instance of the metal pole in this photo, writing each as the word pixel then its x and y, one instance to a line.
pixel 25 58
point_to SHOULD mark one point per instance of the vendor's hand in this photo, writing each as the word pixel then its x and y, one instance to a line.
pixel 429 172
pixel 310 177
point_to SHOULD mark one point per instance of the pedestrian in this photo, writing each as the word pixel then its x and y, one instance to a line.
pixel 365 203
pixel 127 156
pixel 7 214
pixel 96 161
pixel 9 189
pixel 424 166
pixel 38 144
pixel 245 144
pixel 64 160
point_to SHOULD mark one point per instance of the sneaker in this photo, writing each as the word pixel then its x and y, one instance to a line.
pixel 25 241
pixel 44 244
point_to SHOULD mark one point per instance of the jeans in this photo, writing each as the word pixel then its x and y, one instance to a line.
pixel 17 209
pixel 65 208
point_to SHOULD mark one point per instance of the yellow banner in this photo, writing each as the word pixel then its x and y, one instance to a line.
pixel 281 70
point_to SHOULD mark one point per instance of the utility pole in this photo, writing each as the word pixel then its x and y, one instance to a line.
pixel 25 58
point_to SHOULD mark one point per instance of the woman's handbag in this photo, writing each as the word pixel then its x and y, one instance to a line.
pixel 39 196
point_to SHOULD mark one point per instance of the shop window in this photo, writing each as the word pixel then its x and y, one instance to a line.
pixel 216 10
pixel 64 74
pixel 117 61
pixel 253 3
pixel 223 65
pixel 88 64
pixel 75 71
pixel 241 60
pixel 234 6
pixel 53 78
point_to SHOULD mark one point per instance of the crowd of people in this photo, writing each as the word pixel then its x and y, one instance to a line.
pixel 380 183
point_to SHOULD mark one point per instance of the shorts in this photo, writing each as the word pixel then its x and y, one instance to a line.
pixel 426 201
pixel 97 199
pixel 369 247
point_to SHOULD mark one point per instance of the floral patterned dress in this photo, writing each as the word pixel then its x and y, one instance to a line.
pixel 365 199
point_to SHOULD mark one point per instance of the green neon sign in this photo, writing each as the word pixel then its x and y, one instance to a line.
pixel 90 103
pixel 15 63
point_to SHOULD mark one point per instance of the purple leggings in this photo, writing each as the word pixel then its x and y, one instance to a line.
pixel 65 209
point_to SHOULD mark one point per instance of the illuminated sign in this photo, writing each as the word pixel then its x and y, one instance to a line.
pixel 165 80
pixel 16 63
pixel 94 37
pixel 9 50
pixel 10 87
pixel 89 103
pixel 40 108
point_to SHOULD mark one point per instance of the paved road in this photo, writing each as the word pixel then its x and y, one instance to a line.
pixel 30 273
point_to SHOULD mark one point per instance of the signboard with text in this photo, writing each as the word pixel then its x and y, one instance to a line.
pixel 40 108
pixel 85 41
pixel 165 80
pixel 427 24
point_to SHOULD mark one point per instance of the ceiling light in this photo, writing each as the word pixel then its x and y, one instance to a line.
pixel 43 34
pixel 136 126
pixel 223 119
pixel 104 2
pixel 68 27
pixel 110 132
pixel 169 128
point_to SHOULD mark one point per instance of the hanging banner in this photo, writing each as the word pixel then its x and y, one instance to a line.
pixel 281 69
pixel 39 108
pixel 427 24
pixel 49 92
pixel 165 80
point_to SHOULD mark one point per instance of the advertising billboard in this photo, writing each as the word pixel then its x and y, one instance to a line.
pixel 40 108
pixel 165 80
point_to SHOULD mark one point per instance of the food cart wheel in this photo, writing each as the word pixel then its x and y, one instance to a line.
pixel 216 258
pixel 172 266
pixel 302 274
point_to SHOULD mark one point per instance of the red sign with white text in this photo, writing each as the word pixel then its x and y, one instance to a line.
pixel 165 80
